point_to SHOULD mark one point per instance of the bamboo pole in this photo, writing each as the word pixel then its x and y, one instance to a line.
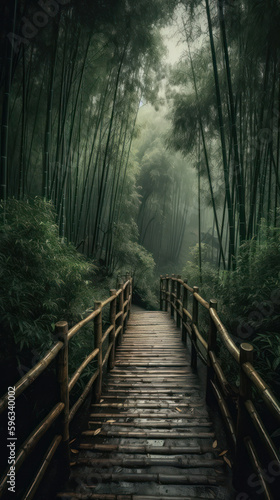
pixel 126 301
pixel 98 345
pixel 61 332
pixel 166 292
pixel 195 322
pixel 212 347
pixel 171 296
pixel 99 496
pixel 184 318
pixel 241 457
pixel 161 293
pixel 112 338
pixel 30 443
pixel 148 449
pixel 32 375
pixel 41 472
pixel 129 290
pixel 178 300
pixel 83 397
pixel 152 435
pixel 119 316
pixel 188 479
pixel 128 463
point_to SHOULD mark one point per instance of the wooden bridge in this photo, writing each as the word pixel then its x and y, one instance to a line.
pixel 150 433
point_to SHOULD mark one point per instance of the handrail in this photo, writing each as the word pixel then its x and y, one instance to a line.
pixel 174 294
pixel 120 304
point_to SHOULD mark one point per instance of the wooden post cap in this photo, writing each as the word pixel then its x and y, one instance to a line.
pixel 213 304
pixel 61 325
pixel 246 348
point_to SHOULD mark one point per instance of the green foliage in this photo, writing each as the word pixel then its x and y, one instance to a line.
pixel 43 278
pixel 248 300
pixel 135 258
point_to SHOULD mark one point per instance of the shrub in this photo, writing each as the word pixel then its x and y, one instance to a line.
pixel 43 279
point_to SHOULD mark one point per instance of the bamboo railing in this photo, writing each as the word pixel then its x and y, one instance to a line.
pixel 120 304
pixel 249 436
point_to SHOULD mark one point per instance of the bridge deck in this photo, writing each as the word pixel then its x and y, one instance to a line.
pixel 150 437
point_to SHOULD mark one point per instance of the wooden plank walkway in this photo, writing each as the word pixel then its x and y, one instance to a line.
pixel 150 436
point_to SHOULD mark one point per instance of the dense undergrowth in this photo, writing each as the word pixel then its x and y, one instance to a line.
pixel 248 301
pixel 44 279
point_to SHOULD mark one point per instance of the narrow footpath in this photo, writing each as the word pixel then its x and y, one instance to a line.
pixel 150 437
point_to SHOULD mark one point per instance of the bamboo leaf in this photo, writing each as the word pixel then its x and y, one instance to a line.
pixel 227 461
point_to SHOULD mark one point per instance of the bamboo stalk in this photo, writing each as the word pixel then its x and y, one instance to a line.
pixel 264 436
pixel 173 416
pixel 144 405
pixel 171 295
pixel 195 479
pixel 108 331
pixel 199 337
pixel 32 440
pixel 107 354
pixel 154 425
pixel 82 323
pixel 98 496
pixel 147 449
pixel 229 343
pixel 211 348
pixel 41 472
pixel 263 389
pixel 61 331
pixel 152 435
pixel 258 468
pixel 98 345
pixel 83 397
pixel 119 316
pixel 225 413
pixel 33 374
pixel 246 354
pixel 149 462
pixel 78 372
pixel 166 293
pixel 194 322
pixel 161 293
pixel 178 302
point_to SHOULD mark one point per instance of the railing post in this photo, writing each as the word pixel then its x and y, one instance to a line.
pixel 171 296
pixel 161 293
pixel 178 298
pixel 120 309
pixel 61 332
pixel 245 393
pixel 195 322
pixel 112 338
pixel 212 344
pixel 98 345
pixel 128 295
pixel 166 292
pixel 184 316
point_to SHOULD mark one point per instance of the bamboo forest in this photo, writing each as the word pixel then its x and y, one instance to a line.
pixel 140 249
